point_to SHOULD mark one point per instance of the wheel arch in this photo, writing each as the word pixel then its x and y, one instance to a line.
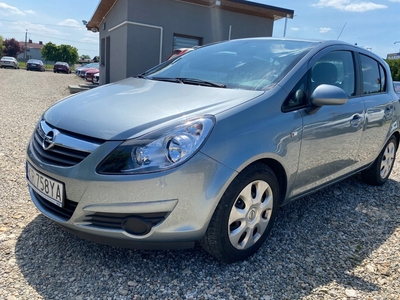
pixel 279 172
pixel 396 134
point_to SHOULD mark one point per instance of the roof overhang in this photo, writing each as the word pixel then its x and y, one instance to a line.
pixel 239 6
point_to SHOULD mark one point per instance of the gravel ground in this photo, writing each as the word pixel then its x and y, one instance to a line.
pixel 340 243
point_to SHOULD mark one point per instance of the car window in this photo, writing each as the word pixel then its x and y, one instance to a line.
pixel 240 64
pixel 335 68
pixel 297 97
pixel 373 75
pixel 396 85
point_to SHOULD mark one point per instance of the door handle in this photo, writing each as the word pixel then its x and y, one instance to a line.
pixel 355 122
pixel 388 111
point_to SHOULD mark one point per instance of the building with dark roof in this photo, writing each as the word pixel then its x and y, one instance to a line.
pixel 33 50
pixel 136 35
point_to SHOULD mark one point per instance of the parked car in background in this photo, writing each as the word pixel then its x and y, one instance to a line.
pixel 35 65
pixel 178 52
pixel 397 87
pixel 81 71
pixel 207 146
pixel 89 74
pixel 96 78
pixel 62 67
pixel 9 62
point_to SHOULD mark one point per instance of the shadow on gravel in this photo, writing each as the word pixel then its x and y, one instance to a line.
pixel 318 239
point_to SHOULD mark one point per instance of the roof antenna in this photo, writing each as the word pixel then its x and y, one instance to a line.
pixel 342 30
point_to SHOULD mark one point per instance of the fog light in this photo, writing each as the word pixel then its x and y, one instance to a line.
pixel 136 226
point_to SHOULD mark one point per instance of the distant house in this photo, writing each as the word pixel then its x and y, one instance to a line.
pixel 393 56
pixel 136 35
pixel 32 51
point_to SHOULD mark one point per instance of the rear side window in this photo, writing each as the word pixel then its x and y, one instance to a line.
pixel 373 76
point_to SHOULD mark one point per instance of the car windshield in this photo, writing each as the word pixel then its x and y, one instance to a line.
pixel 239 64
pixel 7 58
pixel 91 65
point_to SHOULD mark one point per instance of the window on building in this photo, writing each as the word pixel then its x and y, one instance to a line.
pixel 102 52
pixel 185 41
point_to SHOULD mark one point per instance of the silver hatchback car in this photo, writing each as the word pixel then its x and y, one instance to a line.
pixel 207 146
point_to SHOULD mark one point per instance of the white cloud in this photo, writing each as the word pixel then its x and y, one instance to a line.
pixel 324 29
pixel 8 10
pixel 70 23
pixel 295 28
pixel 90 40
pixel 350 5
pixel 30 12
pixel 21 26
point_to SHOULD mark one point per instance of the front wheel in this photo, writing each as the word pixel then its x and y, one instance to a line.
pixel 379 172
pixel 244 216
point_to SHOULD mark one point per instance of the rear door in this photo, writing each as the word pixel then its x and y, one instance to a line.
pixel 379 105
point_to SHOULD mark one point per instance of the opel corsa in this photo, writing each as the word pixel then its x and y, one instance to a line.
pixel 207 146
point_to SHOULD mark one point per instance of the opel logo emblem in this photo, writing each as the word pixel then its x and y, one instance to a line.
pixel 49 139
pixel 252 215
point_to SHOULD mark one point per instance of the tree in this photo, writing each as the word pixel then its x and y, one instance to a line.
pixel 66 53
pixel 11 47
pixel 394 65
pixel 2 47
pixel 50 52
pixel 84 57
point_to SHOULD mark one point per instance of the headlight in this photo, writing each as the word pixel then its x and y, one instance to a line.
pixel 159 150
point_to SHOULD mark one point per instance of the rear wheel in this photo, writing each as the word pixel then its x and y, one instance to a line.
pixel 244 216
pixel 379 172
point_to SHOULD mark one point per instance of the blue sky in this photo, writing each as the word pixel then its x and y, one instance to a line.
pixel 57 21
pixel 372 24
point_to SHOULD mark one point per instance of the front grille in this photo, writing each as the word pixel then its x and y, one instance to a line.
pixel 114 220
pixel 65 213
pixel 67 150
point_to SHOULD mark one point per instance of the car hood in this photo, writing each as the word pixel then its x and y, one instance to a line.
pixel 91 70
pixel 134 106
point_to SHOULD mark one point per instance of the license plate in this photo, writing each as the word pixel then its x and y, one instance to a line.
pixel 6 62
pixel 50 189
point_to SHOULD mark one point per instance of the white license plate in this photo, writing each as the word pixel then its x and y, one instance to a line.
pixel 50 189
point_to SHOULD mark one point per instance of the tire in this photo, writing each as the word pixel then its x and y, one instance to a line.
pixel 379 172
pixel 244 216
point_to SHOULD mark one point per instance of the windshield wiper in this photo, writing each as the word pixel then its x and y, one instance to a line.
pixel 201 82
pixel 186 81
pixel 167 79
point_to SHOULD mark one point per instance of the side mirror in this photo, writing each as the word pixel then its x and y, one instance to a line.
pixel 326 94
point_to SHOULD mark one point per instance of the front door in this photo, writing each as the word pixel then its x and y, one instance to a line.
pixel 331 136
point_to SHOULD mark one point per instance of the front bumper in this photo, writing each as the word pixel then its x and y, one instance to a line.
pixel 161 210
